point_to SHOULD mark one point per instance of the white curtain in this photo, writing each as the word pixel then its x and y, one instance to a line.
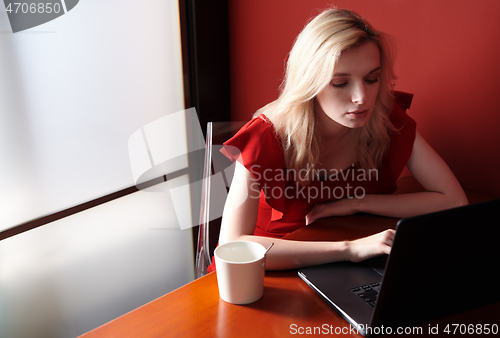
pixel 72 92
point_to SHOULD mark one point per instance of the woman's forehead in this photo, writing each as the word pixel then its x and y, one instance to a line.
pixel 362 60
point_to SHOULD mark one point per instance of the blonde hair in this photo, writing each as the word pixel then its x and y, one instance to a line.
pixel 309 70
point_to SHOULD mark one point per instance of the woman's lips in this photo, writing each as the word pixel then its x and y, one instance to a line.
pixel 358 114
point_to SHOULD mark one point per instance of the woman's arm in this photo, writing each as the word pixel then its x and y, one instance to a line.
pixel 240 218
pixel 443 191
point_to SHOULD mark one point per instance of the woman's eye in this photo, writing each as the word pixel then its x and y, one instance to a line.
pixel 371 81
pixel 339 85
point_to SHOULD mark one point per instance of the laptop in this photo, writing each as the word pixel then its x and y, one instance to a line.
pixel 440 264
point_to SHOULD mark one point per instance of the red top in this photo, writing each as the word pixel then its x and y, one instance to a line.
pixel 283 202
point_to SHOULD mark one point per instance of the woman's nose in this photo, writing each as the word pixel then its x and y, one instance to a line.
pixel 359 94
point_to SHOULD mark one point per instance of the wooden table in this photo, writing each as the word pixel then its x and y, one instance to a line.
pixel 288 306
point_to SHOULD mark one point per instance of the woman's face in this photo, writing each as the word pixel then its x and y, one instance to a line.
pixel 350 97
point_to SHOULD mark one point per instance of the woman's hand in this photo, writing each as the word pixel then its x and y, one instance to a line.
pixel 371 246
pixel 342 207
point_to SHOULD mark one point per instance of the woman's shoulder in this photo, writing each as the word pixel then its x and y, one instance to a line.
pixel 265 113
pixel 398 117
pixel 259 126
pixel 257 138
pixel 403 137
pixel 261 123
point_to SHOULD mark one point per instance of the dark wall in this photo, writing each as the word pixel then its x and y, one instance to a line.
pixel 205 55
pixel 205 38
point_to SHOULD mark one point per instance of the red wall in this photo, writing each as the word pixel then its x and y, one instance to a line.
pixel 448 55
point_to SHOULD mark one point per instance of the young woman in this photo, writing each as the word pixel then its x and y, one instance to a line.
pixel 334 143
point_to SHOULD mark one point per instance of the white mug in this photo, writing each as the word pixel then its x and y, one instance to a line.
pixel 240 271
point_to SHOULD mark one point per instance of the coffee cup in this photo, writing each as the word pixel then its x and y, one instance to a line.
pixel 240 271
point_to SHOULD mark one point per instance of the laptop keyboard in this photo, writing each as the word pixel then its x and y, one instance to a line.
pixel 368 293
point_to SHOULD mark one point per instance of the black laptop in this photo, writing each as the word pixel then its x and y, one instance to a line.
pixel 440 264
